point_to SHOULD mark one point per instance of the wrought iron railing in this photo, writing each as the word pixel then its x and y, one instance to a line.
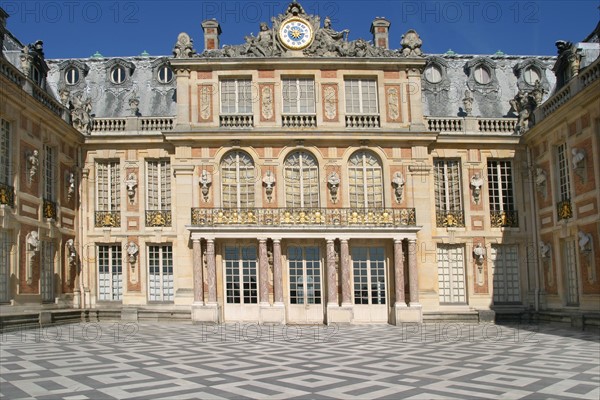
pixel 504 219
pixel 158 218
pixel 107 219
pixel 7 195
pixel 341 217
pixel 564 209
pixel 450 218
pixel 49 209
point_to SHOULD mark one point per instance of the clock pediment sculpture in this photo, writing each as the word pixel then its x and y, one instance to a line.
pixel 296 33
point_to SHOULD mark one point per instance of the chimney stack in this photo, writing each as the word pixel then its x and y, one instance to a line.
pixel 212 30
pixel 380 29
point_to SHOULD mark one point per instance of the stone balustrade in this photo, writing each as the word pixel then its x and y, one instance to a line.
pixel 299 121
pixel 362 121
pixel 133 124
pixel 236 121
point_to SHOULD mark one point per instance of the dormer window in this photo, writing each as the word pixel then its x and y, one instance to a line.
pixel 118 74
pixel 482 75
pixel 165 74
pixel 36 75
pixel 433 74
pixel 532 75
pixel 72 76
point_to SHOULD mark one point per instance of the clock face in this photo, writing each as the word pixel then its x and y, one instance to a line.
pixel 296 34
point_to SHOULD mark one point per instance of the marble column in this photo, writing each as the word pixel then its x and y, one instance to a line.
pixel 332 286
pixel 277 273
pixel 212 271
pixel 345 265
pixel 198 278
pixel 399 272
pixel 413 273
pixel 263 273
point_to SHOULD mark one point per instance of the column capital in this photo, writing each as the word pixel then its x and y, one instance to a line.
pixel 196 239
pixel 396 240
pixel 412 240
pixel 262 240
pixel 278 240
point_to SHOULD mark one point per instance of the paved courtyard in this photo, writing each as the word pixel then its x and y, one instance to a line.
pixel 178 361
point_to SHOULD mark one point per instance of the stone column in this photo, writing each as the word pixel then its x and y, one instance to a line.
pixel 345 264
pixel 212 271
pixel 277 273
pixel 332 287
pixel 399 272
pixel 263 273
pixel 413 273
pixel 198 278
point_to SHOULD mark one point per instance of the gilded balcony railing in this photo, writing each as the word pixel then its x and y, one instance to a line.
pixel 107 219
pixel 158 218
pixel 49 209
pixel 450 218
pixel 340 217
pixel 7 195
pixel 564 209
pixel 504 219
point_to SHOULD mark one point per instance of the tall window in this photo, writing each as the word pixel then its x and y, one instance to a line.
pixel 158 186
pixel 5 152
pixel 570 273
pixel 298 96
pixel 5 258
pixel 237 169
pixel 563 173
pixel 241 275
pixel 110 273
pixel 160 273
pixel 365 180
pixel 301 180
pixel 500 185
pixel 49 173
pixel 305 275
pixel 47 271
pixel 108 186
pixel 369 275
pixel 448 198
pixel 505 267
pixel 361 96
pixel 451 273
pixel 236 96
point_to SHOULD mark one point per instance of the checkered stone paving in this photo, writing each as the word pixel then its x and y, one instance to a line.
pixel 246 361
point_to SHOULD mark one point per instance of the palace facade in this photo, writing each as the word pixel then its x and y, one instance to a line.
pixel 301 177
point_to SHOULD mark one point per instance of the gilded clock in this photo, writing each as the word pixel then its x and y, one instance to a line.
pixel 296 33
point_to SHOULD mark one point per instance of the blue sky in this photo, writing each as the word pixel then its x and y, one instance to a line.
pixel 74 29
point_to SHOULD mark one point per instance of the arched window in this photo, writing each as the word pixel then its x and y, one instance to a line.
pixel 365 180
pixel 301 180
pixel 237 184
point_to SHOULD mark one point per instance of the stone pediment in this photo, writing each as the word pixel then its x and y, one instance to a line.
pixel 324 41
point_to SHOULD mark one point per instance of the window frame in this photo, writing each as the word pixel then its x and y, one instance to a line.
pixel 165 256
pixel 368 172
pixel 50 158
pixel 74 80
pixel 124 74
pixel 310 100
pixel 162 185
pixel 245 269
pixel 505 182
pixel 165 67
pixel 449 200
pixel 308 186
pixel 249 183
pixel 113 168
pixel 240 94
pixel 360 96
pixel 114 263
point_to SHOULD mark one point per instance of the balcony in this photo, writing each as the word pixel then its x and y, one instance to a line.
pixel 290 217
pixel 107 219
pixel 471 125
pixel 49 210
pixel 299 121
pixel 132 125
pixel 504 219
pixel 362 121
pixel 450 218
pixel 7 195
pixel 158 218
pixel 564 209
pixel 236 121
